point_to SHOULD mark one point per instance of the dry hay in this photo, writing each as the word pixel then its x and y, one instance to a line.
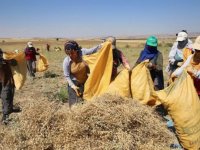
pixel 109 122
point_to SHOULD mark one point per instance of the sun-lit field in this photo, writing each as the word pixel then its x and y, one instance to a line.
pixel 46 122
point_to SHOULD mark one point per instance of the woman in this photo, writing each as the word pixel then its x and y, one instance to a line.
pixel 192 65
pixel 30 55
pixel 76 69
pixel 179 51
pixel 118 58
pixel 155 57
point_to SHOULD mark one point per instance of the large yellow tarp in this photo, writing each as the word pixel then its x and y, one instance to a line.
pixel 19 71
pixel 183 105
pixel 42 64
pixel 121 85
pixel 142 87
pixel 100 72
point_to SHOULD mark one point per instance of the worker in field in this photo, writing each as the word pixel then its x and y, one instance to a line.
pixel 179 52
pixel 155 58
pixel 118 58
pixel 7 87
pixel 192 65
pixel 30 55
pixel 76 69
pixel 48 47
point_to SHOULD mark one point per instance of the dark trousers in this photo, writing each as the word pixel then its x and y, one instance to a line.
pixel 7 94
pixel 158 79
pixel 31 66
pixel 73 98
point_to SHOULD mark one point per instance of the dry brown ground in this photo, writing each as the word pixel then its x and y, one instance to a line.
pixel 110 122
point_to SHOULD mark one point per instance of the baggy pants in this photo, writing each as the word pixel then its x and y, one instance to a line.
pixel 31 66
pixel 7 94
pixel 73 98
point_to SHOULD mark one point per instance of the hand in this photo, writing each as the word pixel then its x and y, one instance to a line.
pixel 179 64
pixel 171 61
pixel 76 89
pixel 127 67
pixel 151 65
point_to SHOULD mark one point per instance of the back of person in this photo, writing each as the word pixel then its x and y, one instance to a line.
pixel 30 53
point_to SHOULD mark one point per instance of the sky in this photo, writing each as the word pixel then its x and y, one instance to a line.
pixel 97 18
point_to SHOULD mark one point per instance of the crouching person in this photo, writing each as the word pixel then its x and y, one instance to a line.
pixel 7 88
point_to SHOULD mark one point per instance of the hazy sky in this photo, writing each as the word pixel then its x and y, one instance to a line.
pixel 96 18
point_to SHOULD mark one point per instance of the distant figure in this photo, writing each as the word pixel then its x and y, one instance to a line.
pixel 155 57
pixel 30 54
pixel 118 58
pixel 48 47
pixel 179 52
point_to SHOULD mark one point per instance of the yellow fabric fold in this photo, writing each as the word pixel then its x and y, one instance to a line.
pixel 142 87
pixel 121 85
pixel 42 64
pixel 19 71
pixel 100 72
pixel 183 105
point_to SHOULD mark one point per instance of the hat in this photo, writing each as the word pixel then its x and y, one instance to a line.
pixel 182 36
pixel 152 41
pixel 196 44
pixel 112 40
pixel 30 44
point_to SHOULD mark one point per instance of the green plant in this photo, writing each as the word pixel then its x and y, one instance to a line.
pixel 62 95
pixel 49 74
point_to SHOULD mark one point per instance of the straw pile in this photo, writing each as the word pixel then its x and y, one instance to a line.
pixel 109 122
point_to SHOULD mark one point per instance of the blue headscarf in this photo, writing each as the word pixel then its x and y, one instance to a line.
pixel 149 52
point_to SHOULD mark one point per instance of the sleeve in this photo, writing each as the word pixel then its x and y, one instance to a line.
pixel 36 53
pixel 172 52
pixel 66 70
pixel 159 62
pixel 86 51
pixel 124 61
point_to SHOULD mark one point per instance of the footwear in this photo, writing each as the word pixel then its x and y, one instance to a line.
pixel 16 110
pixel 5 119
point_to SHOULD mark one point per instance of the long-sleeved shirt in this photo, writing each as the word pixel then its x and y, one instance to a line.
pixel 67 63
pixel 177 54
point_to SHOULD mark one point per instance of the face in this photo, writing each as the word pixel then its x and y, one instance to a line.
pixel 73 54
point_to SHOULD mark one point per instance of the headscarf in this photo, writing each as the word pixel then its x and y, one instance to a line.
pixel 149 52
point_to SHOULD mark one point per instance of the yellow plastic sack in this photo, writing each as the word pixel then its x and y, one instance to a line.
pixel 100 73
pixel 142 87
pixel 183 105
pixel 19 71
pixel 121 85
pixel 42 64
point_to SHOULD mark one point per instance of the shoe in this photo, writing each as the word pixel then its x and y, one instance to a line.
pixel 16 110
pixel 5 119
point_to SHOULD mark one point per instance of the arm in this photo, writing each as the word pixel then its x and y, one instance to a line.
pixel 91 50
pixel 66 70
pixel 36 53
pixel 172 53
pixel 124 61
pixel 159 62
